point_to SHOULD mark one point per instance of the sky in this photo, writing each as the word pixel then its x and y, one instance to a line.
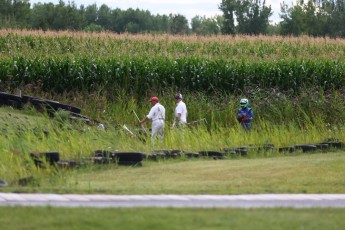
pixel 188 8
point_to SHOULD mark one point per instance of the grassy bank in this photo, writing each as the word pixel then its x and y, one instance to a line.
pixel 27 132
pixel 316 173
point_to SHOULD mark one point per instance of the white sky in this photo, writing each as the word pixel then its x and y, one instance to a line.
pixel 188 8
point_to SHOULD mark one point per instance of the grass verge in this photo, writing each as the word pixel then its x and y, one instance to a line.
pixel 49 218
pixel 312 173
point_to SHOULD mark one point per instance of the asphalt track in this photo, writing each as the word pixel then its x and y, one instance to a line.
pixel 177 201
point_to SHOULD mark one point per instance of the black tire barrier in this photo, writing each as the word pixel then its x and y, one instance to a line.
pixel 131 163
pixel 67 164
pixel 78 115
pixel 13 103
pixel 238 151
pixel 160 156
pixel 322 146
pixel 176 151
pixel 55 105
pixel 306 148
pixel 11 100
pixel 41 157
pixel 27 181
pixel 266 147
pixel 152 157
pixel 336 145
pixel 289 149
pixel 27 99
pixel 174 155
pixel 232 153
pixel 212 154
pixel 104 157
pixel 41 104
pixel 38 104
pixel 168 153
pixel 6 96
pixel 191 155
pixel 129 156
pixel 3 183
pixel 243 151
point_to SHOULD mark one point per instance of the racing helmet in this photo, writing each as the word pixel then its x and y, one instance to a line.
pixel 244 102
pixel 178 96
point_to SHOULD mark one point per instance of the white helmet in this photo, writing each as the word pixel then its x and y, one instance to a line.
pixel 244 102
pixel 178 96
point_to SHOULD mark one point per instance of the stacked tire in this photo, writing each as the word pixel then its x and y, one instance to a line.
pixel 120 158
pixel 7 99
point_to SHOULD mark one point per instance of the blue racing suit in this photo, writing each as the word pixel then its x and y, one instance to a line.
pixel 245 116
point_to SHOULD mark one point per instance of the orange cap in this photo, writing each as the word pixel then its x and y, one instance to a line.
pixel 153 99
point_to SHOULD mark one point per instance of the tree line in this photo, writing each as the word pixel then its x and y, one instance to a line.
pixel 306 17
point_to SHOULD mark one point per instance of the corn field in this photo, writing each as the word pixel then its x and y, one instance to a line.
pixel 141 64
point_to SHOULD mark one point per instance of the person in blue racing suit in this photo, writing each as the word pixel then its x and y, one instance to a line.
pixel 245 114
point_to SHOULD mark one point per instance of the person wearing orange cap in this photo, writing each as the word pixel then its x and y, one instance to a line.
pixel 157 115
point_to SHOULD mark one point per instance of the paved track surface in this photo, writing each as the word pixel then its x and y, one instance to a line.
pixel 196 201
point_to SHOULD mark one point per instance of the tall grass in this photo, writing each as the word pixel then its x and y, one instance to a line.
pixel 26 133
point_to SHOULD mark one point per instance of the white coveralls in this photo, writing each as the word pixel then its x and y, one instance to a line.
pixel 157 115
pixel 182 109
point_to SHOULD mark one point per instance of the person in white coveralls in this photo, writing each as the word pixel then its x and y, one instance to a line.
pixel 180 118
pixel 157 115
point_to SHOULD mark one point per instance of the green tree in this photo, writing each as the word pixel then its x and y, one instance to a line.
pixel 196 24
pixel 178 24
pixel 293 20
pixel 336 20
pixel 57 17
pixel 94 28
pixel 14 13
pixel 205 26
pixel 160 23
pixel 252 16
pixel 66 17
pixel 314 18
pixel 21 12
pixel 228 7
pixel 104 17
pixel 90 14
pixel 116 16
pixel 42 16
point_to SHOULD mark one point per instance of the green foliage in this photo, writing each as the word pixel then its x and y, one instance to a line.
pixel 252 17
pixel 178 24
pixel 206 26
pixel 313 18
pixel 93 28
pixel 67 16
pixel 277 75
pixel 139 76
pixel 123 69
pixel 228 7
